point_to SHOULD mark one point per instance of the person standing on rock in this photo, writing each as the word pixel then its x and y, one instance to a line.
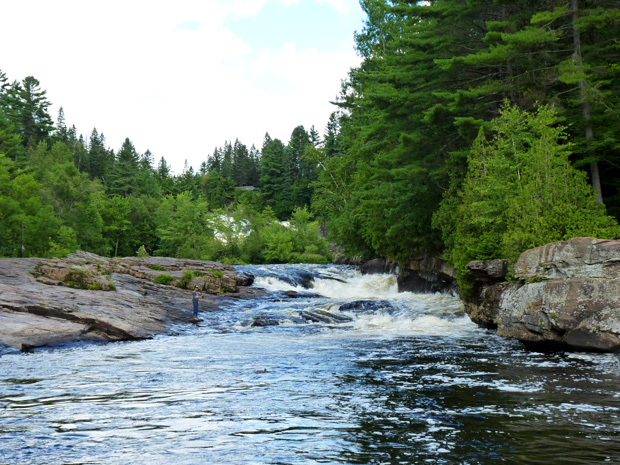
pixel 195 297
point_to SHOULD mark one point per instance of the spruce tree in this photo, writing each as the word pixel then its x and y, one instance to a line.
pixel 124 176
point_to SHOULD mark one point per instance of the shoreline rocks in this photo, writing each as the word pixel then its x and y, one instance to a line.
pixel 566 294
pixel 85 297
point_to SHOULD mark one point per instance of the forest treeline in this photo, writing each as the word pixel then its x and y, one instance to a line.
pixel 60 192
pixel 470 129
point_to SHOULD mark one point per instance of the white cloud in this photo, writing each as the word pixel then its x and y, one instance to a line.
pixel 343 6
pixel 170 76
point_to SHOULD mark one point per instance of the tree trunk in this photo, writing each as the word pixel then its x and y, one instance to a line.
pixel 585 105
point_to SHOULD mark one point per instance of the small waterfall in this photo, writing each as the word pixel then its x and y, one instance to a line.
pixel 371 303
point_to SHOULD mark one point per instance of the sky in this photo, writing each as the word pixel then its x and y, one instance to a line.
pixel 181 78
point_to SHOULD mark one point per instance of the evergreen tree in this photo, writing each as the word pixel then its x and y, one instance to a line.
pixel 275 180
pixel 147 182
pixel 214 163
pixel 227 161
pixel 125 171
pixel 302 170
pixel 216 190
pixel 61 133
pixel 10 140
pixel 34 121
pixel 254 167
pixel 331 140
pixel 240 164
pixel 164 178
pixel 315 139
pixel 520 192
pixel 188 181
pixel 100 158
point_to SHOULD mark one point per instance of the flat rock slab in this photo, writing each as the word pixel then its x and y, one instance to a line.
pixel 37 311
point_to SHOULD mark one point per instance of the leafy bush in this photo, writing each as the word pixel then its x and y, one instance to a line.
pixel 163 279
pixel 299 241
pixel 188 275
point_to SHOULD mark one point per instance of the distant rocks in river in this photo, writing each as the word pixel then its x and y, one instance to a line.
pixel 566 293
pixel 364 305
pixel 86 297
pixel 423 273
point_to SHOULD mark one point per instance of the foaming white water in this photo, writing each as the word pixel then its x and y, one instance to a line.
pixel 351 285
pixel 358 287
pixel 402 325
pixel 392 314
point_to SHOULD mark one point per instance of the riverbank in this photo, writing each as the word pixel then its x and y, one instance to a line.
pixel 564 295
pixel 86 297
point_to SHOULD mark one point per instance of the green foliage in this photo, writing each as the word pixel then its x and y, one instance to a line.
pixel 65 243
pixel 275 178
pixel 188 275
pixel 156 267
pixel 94 286
pixel 183 228
pixel 301 240
pixel 217 273
pixel 520 192
pixel 434 73
pixel 60 193
pixel 163 279
pixel 78 279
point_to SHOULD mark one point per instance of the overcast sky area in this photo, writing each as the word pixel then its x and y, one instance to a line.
pixel 181 78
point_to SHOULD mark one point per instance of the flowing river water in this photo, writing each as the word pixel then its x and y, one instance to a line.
pixel 348 371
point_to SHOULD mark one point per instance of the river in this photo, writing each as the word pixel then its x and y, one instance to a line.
pixel 346 371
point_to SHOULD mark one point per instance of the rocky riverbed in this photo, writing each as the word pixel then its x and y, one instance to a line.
pixel 86 297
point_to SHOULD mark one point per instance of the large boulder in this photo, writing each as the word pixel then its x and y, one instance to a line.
pixel 565 293
pixel 583 313
pixel 569 293
pixel 487 279
pixel 580 257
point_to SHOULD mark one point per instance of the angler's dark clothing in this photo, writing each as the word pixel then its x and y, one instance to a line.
pixel 195 296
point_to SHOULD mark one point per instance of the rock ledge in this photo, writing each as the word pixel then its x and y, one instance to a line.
pixel 566 293
pixel 85 297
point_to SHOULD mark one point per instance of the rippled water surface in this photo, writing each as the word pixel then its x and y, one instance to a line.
pixel 348 371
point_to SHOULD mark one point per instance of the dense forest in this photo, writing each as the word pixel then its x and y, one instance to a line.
pixel 476 129
pixel 60 192
pixel 471 129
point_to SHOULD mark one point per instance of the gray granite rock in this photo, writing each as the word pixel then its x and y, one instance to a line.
pixel 86 297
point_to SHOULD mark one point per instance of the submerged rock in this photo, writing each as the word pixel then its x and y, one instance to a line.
pixel 262 320
pixel 364 305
